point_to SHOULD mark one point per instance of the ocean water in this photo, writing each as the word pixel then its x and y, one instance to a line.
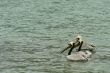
pixel 33 32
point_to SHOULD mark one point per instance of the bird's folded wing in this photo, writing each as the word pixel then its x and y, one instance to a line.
pixel 87 46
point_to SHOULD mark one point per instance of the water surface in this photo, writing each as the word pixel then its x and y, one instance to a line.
pixel 33 32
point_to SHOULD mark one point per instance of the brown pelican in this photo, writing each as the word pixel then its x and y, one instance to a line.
pixel 79 56
pixel 83 52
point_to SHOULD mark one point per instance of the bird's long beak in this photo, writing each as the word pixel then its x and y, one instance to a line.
pixel 69 46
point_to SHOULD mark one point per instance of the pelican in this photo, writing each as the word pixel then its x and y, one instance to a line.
pixel 79 56
pixel 84 51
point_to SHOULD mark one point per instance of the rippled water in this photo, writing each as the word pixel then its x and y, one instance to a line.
pixel 33 32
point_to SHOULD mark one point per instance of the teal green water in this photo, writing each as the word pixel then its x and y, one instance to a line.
pixel 33 32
